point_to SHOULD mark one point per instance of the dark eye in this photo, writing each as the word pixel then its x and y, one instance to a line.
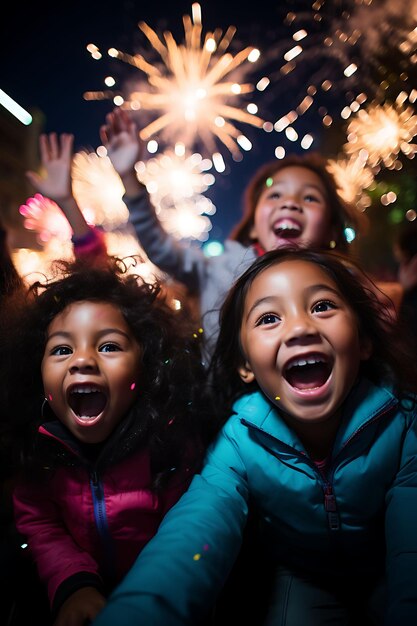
pixel 311 198
pixel 109 347
pixel 268 318
pixel 274 194
pixel 323 305
pixel 61 351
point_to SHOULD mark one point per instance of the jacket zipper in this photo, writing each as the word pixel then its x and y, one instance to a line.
pixel 99 507
pixel 333 519
pixel 101 521
pixel 330 504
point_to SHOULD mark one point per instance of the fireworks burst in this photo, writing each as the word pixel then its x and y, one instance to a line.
pixel 175 176
pixel 339 57
pixel 33 265
pixel 176 184
pixel 98 190
pixel 194 87
pixel 382 133
pixel 185 221
pixel 352 176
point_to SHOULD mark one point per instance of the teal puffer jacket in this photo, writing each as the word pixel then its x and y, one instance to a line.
pixel 362 518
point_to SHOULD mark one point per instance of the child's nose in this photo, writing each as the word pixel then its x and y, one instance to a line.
pixel 292 203
pixel 300 327
pixel 83 361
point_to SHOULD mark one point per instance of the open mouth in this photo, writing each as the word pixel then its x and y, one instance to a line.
pixel 309 372
pixel 87 402
pixel 287 229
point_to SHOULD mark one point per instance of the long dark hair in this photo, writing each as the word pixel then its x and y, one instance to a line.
pixel 342 214
pixel 390 358
pixel 170 409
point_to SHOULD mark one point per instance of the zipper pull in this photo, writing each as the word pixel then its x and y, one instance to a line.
pixel 331 509
pixel 94 478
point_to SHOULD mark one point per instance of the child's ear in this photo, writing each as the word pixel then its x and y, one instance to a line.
pixel 246 373
pixel 366 348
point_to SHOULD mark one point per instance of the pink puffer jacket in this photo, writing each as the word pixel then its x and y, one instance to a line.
pixel 83 525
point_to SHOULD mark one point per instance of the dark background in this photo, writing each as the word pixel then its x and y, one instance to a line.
pixel 45 66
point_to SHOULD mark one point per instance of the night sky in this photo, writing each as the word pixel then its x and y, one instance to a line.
pixel 45 65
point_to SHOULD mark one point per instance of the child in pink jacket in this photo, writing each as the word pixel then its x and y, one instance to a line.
pixel 103 391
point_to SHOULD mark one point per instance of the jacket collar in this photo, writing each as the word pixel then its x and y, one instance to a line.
pixel 56 430
pixel 365 403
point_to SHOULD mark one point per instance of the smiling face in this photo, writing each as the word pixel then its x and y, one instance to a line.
pixel 300 341
pixel 293 210
pixel 90 369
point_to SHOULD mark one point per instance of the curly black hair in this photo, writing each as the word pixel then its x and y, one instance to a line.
pixel 391 358
pixel 171 409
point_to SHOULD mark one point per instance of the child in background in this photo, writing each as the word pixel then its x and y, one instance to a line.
pixel 109 426
pixel 322 440
pixel 289 202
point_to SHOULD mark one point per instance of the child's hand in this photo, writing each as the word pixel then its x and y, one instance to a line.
pixel 80 608
pixel 56 157
pixel 121 139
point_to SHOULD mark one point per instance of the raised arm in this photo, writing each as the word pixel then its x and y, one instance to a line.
pixel 124 148
pixel 56 157
pixel 56 183
pixel 185 264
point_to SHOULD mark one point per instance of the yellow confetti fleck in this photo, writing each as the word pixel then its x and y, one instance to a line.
pixel 277 398
pixel 197 557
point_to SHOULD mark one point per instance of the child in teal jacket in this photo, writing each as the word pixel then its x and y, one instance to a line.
pixel 322 440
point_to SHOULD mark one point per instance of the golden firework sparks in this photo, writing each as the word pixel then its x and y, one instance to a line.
pixel 98 190
pixel 382 132
pixel 194 88
pixel 176 183
pixel 353 177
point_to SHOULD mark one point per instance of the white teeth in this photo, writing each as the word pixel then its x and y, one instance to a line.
pixel 284 225
pixel 307 361
pixel 84 389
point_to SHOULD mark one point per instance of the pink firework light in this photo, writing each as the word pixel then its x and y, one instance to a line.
pixel 46 218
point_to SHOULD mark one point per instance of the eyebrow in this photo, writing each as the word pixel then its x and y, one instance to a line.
pixel 102 333
pixel 309 290
pixel 305 185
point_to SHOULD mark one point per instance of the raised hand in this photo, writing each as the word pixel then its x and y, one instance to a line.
pixel 121 139
pixel 56 157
